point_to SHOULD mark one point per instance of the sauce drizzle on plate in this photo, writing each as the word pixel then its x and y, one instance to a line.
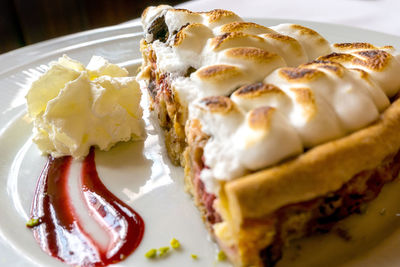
pixel 59 231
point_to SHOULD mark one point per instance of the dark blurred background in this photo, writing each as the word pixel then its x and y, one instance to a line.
pixel 24 22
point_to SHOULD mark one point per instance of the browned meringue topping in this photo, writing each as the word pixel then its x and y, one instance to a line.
pixel 363 74
pixel 184 10
pixel 315 102
pixel 194 28
pixel 376 60
pixel 281 37
pixel 219 14
pixel 246 27
pixel 305 98
pixel 257 89
pixel 307 31
pixel 256 54
pixel 232 39
pixel 337 57
pixel 351 46
pixel 217 104
pixel 299 74
pixel 286 39
pixel 260 118
pixel 218 72
pixel 329 65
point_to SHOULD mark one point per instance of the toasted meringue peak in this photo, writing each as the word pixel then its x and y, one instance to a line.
pixel 245 27
pixel 219 17
pixel 360 77
pixel 217 73
pixel 306 31
pixel 305 98
pixel 260 95
pixel 267 137
pixel 381 64
pixel 256 90
pixel 313 43
pixel 352 46
pixel 313 118
pixel 350 98
pixel 183 10
pixel 255 62
pixel 256 54
pixel 334 67
pixel 192 34
pixel 260 118
pixel 175 19
pixel 337 57
pixel 281 37
pixel 378 96
pixel 216 104
pixel 237 39
pixel 329 104
pixel 287 47
pixel 299 74
pixel 376 60
pixel 217 80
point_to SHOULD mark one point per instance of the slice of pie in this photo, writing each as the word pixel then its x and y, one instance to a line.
pixel 281 133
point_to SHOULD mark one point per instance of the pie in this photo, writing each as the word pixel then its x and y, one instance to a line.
pixel 281 133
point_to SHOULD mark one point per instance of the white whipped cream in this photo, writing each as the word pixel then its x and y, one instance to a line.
pixel 74 108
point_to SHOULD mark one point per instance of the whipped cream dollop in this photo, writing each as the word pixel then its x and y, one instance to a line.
pixel 74 107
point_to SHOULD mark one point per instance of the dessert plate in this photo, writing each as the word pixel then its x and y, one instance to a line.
pixel 140 173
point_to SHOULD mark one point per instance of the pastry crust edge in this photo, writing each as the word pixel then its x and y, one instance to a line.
pixel 317 172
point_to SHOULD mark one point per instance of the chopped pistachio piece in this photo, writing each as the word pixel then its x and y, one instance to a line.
pixel 163 250
pixel 221 256
pixel 175 243
pixel 194 256
pixel 33 222
pixel 152 253
pixel 382 212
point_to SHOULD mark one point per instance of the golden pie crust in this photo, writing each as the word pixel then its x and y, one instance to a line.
pixel 320 170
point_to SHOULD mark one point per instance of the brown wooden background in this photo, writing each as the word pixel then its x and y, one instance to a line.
pixel 24 22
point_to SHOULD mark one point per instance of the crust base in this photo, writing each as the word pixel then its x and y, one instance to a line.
pixel 258 241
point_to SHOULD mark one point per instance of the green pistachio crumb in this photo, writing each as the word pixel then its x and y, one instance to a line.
pixel 33 222
pixel 152 253
pixel 194 256
pixel 221 256
pixel 175 243
pixel 382 212
pixel 363 208
pixel 163 250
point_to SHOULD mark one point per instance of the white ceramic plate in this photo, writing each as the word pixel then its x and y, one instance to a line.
pixel 141 174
